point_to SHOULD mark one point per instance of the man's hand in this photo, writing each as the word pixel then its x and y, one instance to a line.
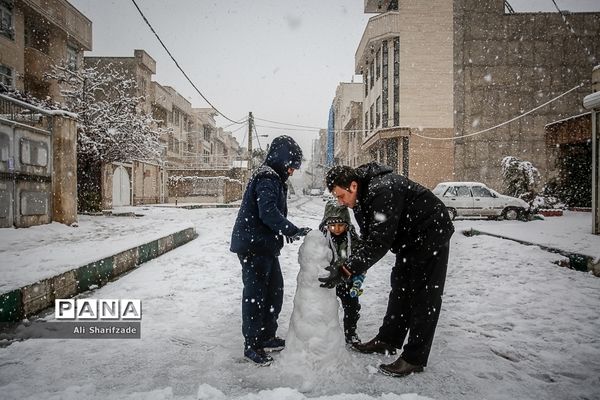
pixel 337 274
pixel 301 232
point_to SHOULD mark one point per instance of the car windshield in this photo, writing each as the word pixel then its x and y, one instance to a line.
pixel 439 189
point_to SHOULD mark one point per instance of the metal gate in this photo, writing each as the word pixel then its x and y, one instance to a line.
pixel 25 165
pixel 121 187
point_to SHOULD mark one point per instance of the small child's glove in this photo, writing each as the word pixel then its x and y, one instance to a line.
pixel 356 282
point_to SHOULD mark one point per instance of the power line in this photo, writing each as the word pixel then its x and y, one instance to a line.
pixel 505 122
pixel 285 123
pixel 178 66
pixel 577 38
pixel 242 120
pixel 287 129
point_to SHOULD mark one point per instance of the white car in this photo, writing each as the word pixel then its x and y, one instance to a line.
pixel 464 199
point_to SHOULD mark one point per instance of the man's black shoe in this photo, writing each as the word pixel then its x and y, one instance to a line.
pixel 399 368
pixel 374 346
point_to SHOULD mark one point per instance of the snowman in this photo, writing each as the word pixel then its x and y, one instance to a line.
pixel 315 344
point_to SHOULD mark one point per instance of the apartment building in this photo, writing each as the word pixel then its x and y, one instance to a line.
pixel 506 64
pixel 450 69
pixel 345 94
pixel 36 34
pixel 406 59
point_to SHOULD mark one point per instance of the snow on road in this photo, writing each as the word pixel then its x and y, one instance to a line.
pixel 513 325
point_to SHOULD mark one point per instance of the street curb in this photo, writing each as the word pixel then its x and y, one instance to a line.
pixel 31 299
pixel 198 206
pixel 578 262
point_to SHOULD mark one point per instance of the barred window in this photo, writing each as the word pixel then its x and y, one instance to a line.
pixel 6 76
pixel 6 21
pixel 72 58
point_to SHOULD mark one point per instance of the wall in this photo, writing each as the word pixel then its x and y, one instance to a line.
pixel 505 65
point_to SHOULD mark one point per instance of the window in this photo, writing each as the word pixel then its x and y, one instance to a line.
pixel 396 81
pixel 378 61
pixel 72 58
pixel 6 76
pixel 384 84
pixel 366 123
pixel 377 112
pixel 479 191
pixel 372 74
pixel 6 21
pixel 371 118
pixel 207 131
pixel 37 37
pixel 458 191
pixel 367 81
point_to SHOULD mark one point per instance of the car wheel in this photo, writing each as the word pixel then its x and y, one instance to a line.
pixel 511 214
pixel 452 213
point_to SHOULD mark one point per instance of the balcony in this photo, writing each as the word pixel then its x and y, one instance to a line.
pixel 36 63
pixel 379 27
pixel 162 97
pixel 65 17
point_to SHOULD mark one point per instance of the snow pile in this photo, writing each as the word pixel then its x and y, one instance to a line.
pixel 315 344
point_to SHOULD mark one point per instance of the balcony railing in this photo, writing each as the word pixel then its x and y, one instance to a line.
pixel 205 162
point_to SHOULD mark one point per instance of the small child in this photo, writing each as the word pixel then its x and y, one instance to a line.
pixel 341 235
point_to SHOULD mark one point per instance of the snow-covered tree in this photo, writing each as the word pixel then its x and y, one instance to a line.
pixel 521 178
pixel 110 128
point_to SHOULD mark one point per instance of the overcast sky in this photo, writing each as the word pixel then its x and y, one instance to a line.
pixel 280 59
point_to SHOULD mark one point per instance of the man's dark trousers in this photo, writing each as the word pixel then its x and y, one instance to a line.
pixel 262 297
pixel 415 300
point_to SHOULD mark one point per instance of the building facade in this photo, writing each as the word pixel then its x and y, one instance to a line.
pixel 34 36
pixel 405 58
pixel 506 64
pixel 438 73
pixel 345 94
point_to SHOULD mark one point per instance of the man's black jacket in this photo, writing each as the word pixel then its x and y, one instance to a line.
pixel 397 214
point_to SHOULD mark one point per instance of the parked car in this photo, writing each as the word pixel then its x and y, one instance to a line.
pixel 476 199
pixel 315 192
pixel 327 196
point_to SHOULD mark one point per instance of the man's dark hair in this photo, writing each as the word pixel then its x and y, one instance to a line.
pixel 340 175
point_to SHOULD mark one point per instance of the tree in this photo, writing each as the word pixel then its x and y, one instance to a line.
pixel 110 127
pixel 521 178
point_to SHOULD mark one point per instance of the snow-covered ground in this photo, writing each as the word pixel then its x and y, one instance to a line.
pixel 32 254
pixel 513 326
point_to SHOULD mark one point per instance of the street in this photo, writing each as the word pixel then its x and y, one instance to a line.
pixel 513 325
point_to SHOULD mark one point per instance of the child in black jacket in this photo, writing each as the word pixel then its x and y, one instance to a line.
pixel 341 236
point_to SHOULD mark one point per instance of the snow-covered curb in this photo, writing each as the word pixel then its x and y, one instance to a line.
pixel 31 299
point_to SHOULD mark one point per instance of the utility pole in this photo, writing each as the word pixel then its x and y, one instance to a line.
pixel 250 126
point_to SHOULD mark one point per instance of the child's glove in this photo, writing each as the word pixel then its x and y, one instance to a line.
pixel 356 288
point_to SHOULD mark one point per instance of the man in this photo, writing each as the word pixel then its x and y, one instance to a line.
pixel 397 214
pixel 257 238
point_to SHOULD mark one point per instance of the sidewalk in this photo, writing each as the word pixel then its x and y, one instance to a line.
pixel 568 234
pixel 44 262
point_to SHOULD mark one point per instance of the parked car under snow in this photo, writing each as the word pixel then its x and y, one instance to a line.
pixel 466 199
